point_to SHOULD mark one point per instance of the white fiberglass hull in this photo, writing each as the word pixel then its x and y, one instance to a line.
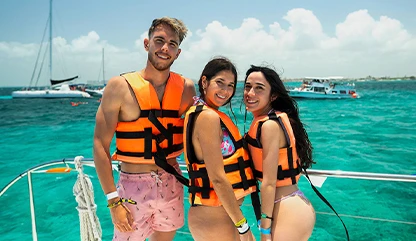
pixel 320 95
pixel 49 94
pixel 94 92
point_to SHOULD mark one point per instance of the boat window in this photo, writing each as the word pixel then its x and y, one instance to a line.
pixel 334 92
pixel 319 89
pixel 343 91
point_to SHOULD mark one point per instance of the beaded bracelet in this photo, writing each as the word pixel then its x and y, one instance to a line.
pixel 241 222
pixel 120 201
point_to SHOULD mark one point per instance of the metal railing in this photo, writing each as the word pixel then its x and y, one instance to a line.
pixel 65 167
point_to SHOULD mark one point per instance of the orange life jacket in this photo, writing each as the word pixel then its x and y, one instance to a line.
pixel 289 167
pixel 159 126
pixel 237 166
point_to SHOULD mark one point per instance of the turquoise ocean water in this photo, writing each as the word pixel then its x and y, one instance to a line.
pixel 375 133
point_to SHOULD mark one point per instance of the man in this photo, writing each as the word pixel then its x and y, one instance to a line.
pixel 144 110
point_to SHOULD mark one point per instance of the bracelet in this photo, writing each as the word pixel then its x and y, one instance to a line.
pixel 241 222
pixel 115 204
pixel 265 216
pixel 121 201
pixel 111 195
pixel 264 230
pixel 244 228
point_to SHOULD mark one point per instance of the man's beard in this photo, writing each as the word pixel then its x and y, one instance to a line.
pixel 156 65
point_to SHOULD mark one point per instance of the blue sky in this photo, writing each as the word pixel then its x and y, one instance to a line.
pixel 299 38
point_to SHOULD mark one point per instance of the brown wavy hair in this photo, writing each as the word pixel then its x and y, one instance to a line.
pixel 177 26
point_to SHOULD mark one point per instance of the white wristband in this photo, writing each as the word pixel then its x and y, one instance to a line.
pixel 112 195
pixel 243 228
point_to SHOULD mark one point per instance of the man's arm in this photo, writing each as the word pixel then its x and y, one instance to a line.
pixel 106 122
pixel 105 126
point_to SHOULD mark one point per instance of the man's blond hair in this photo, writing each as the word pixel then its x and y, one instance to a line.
pixel 177 25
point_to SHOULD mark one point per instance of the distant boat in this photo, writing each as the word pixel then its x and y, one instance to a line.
pixel 62 91
pixel 98 91
pixel 324 88
pixel 95 92
pixel 58 88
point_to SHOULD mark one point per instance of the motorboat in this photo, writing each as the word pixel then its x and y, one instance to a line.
pixel 324 88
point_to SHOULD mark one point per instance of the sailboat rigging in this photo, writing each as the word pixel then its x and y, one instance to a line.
pixel 94 91
pixel 103 67
pixel 58 89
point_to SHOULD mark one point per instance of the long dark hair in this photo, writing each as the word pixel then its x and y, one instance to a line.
pixel 285 103
pixel 212 68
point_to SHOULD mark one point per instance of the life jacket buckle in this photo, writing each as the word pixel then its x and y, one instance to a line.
pixel 159 138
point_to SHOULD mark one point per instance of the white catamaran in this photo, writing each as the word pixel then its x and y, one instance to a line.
pixel 58 89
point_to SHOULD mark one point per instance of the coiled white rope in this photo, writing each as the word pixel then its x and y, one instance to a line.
pixel 90 228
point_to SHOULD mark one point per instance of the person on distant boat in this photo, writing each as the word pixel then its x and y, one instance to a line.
pixel 218 165
pixel 280 148
pixel 144 111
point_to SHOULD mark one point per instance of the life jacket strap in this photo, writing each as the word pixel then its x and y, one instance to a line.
pixel 161 161
pixel 279 120
pixel 251 141
pixel 242 168
pixel 160 156
pixel 282 174
pixel 255 197
pixel 168 151
pixel 290 163
pixel 202 172
pixel 326 202
pixel 165 132
pixel 148 143
pixel 207 189
pixel 192 184
pixel 142 134
pixel 159 113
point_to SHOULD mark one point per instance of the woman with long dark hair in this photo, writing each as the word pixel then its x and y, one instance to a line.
pixel 280 148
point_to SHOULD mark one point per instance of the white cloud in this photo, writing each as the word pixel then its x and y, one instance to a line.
pixel 361 45
pixel 17 50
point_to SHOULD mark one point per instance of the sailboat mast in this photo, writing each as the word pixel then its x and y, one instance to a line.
pixel 50 39
pixel 103 69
